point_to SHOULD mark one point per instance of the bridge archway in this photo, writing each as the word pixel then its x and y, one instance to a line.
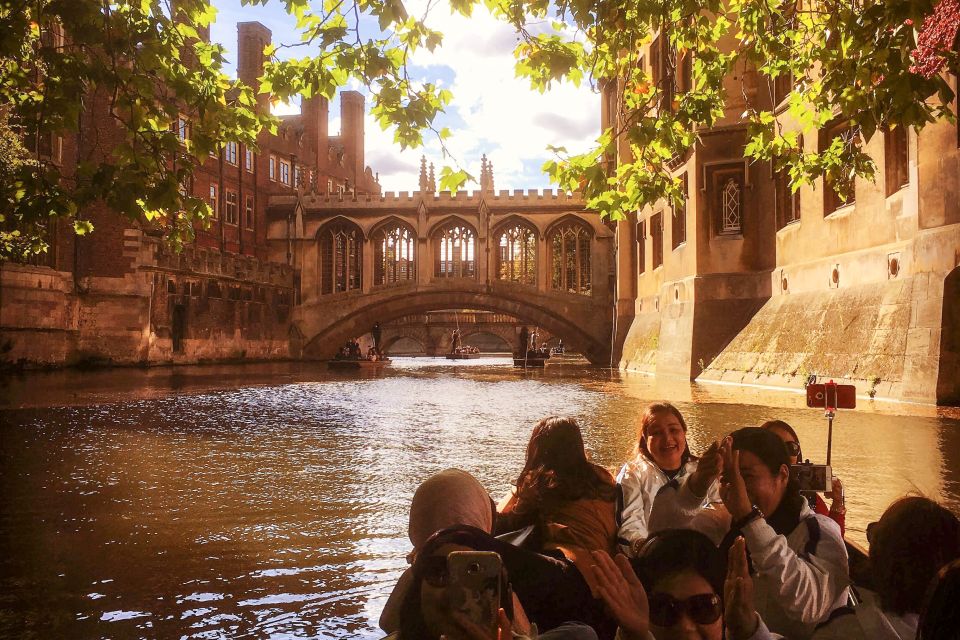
pixel 577 322
pixel 490 342
pixel 404 343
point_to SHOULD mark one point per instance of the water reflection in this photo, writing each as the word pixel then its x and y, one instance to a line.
pixel 271 500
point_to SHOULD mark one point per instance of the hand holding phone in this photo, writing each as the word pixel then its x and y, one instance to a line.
pixel 812 477
pixel 473 589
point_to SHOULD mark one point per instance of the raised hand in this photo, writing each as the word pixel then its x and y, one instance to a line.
pixel 708 469
pixel 739 615
pixel 733 491
pixel 623 594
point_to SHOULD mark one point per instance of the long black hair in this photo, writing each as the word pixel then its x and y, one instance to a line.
pixel 557 469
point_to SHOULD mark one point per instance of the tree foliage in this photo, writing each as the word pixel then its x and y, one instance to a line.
pixel 144 63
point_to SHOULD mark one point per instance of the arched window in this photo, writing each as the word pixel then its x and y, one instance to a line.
pixel 394 258
pixel 455 247
pixel 517 254
pixel 570 258
pixel 341 247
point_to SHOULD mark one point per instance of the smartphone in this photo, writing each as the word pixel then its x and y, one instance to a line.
pixel 812 477
pixel 473 586
pixel 832 396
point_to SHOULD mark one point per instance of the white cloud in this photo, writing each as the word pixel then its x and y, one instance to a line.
pixel 502 116
pixel 493 112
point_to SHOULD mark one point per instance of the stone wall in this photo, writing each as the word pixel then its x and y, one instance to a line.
pixel 214 306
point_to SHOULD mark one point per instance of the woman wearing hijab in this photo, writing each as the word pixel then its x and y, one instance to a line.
pixel 451 497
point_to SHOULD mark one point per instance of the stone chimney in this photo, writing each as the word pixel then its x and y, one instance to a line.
pixel 424 185
pixel 351 131
pixel 252 38
pixel 316 123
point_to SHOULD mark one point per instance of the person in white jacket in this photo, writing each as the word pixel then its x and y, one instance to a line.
pixel 799 560
pixel 661 456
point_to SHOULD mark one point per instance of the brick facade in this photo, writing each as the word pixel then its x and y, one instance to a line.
pixel 117 296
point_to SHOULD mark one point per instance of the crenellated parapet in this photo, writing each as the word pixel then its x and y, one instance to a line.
pixel 392 199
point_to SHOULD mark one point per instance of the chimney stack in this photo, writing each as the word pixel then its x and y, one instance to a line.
pixel 351 131
pixel 252 38
pixel 316 121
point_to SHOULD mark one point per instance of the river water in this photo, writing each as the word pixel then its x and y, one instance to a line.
pixel 270 500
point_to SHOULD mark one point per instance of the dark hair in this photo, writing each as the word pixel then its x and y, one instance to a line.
pixel 557 469
pixel 780 424
pixel 940 618
pixel 766 445
pixel 412 624
pixel 914 538
pixel 647 418
pixel 671 552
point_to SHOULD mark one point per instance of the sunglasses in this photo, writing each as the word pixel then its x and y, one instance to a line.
pixel 793 448
pixel 434 571
pixel 665 610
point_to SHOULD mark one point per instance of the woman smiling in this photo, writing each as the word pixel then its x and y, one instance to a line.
pixel 661 455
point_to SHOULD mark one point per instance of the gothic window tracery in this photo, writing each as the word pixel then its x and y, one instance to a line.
pixel 730 206
pixel 341 258
pixel 570 258
pixel 517 254
pixel 455 250
pixel 394 254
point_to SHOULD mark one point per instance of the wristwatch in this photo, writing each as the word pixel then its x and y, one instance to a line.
pixel 754 514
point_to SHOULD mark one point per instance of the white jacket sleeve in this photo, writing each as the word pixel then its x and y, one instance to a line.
pixel 809 584
pixel 680 509
pixel 633 524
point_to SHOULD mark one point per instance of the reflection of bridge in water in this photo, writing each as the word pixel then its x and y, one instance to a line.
pixel 432 333
pixel 537 257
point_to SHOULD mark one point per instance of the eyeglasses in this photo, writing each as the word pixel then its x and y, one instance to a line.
pixel 434 571
pixel 665 610
pixel 793 447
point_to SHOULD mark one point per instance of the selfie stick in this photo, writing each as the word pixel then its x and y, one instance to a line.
pixel 830 393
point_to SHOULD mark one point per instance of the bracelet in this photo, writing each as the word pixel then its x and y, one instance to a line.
pixel 754 514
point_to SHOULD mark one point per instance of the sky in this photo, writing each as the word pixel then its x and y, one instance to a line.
pixel 492 113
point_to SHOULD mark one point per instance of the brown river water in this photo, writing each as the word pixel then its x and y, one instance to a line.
pixel 270 501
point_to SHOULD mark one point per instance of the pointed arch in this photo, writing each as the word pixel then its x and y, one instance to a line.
pixel 515 240
pixel 340 242
pixel 454 242
pixel 569 244
pixel 394 252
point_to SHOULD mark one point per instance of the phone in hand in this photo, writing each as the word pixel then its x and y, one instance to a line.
pixel 473 586
pixel 812 477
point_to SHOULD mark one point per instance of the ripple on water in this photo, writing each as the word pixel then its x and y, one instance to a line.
pixel 253 508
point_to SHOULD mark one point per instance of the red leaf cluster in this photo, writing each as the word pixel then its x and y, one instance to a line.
pixel 937 35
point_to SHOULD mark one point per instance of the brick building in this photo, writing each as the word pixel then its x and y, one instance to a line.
pixel 119 296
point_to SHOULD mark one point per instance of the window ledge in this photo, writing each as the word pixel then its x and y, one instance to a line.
pixel 897 191
pixel 680 246
pixel 841 212
pixel 793 224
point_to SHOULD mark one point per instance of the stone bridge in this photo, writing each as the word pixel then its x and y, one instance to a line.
pixel 539 257
pixel 434 331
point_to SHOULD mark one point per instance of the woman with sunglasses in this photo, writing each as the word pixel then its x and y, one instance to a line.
pixel 661 455
pixel 837 510
pixel 799 559
pixel 682 592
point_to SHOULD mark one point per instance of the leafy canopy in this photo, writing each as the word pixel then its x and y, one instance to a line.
pixel 144 62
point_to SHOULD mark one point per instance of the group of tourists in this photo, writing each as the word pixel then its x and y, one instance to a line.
pixel 723 545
